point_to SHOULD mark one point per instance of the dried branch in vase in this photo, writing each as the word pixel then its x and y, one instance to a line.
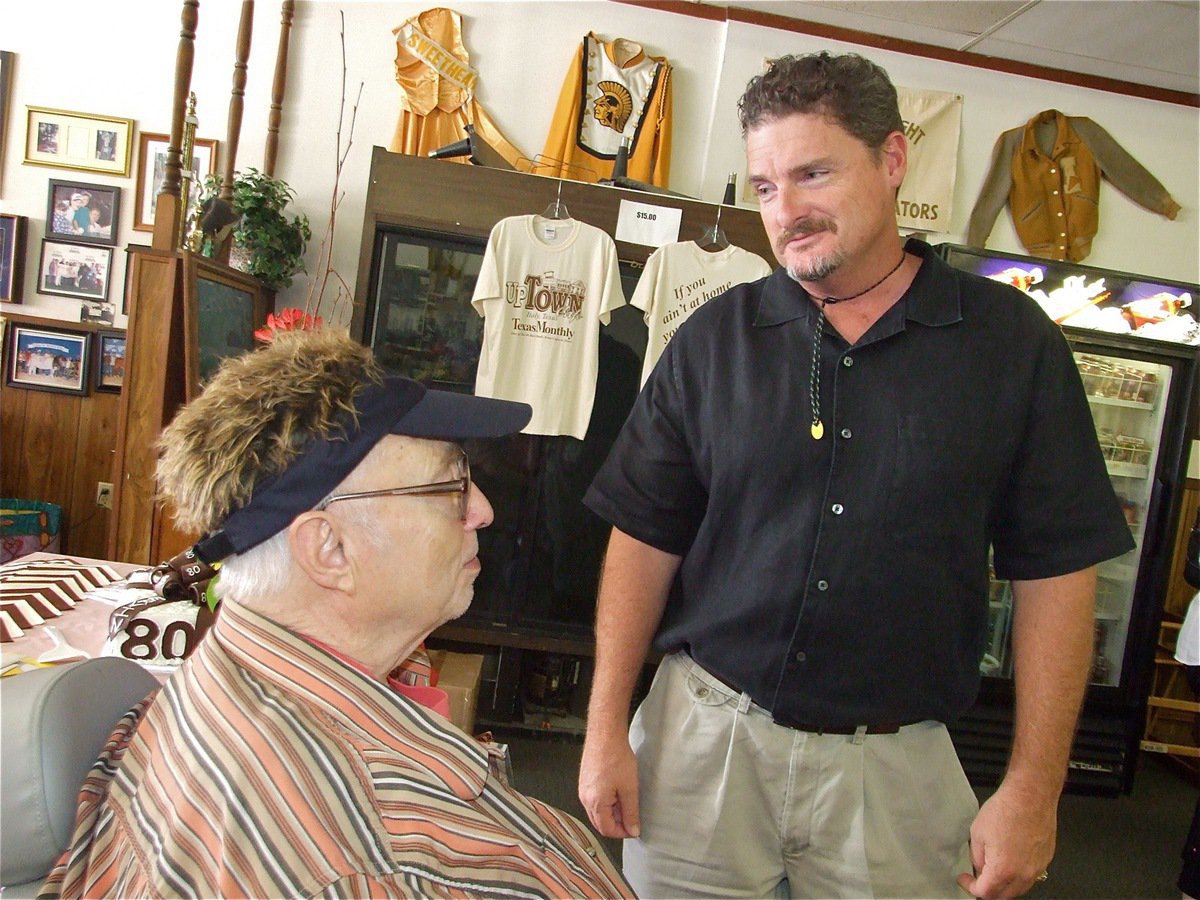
pixel 341 307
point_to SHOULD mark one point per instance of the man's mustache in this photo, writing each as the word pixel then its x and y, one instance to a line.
pixel 803 228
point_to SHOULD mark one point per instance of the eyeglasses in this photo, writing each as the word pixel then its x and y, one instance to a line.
pixel 460 485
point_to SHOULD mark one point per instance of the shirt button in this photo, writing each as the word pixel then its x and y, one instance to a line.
pixel 847 433
pixel 801 656
pixel 1053 171
pixel 838 509
pixel 822 585
pixel 847 361
pixel 1060 215
pixel 1055 193
pixel 1062 234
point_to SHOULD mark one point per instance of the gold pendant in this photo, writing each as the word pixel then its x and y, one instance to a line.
pixel 818 430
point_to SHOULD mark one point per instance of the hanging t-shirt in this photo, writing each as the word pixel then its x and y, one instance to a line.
pixel 679 279
pixel 545 287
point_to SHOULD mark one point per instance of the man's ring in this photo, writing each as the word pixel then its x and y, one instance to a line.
pixel 1045 874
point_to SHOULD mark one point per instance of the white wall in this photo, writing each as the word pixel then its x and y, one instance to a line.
pixel 521 51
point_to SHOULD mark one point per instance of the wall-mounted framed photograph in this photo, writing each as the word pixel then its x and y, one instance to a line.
pixel 74 270
pixel 12 257
pixel 98 312
pixel 83 212
pixel 78 140
pixel 110 361
pixel 151 168
pixel 47 359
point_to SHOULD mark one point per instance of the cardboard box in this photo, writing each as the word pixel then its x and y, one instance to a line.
pixel 459 676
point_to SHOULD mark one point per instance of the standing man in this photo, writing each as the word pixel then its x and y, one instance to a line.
pixel 803 501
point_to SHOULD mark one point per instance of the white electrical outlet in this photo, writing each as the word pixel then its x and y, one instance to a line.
pixel 104 492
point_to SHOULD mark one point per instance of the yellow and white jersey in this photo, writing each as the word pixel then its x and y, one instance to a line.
pixel 613 91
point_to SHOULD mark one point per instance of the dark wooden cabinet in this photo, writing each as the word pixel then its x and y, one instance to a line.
pixel 425 231
pixel 165 295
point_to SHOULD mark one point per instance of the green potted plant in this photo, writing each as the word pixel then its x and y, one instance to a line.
pixel 272 246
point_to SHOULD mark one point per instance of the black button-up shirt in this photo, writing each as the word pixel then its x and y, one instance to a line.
pixel 844 580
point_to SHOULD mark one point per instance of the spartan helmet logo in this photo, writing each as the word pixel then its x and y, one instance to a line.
pixel 613 106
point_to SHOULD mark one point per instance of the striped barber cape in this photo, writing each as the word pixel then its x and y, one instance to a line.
pixel 268 768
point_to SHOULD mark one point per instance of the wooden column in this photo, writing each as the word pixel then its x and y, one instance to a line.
pixel 153 391
pixel 168 206
pixel 278 87
pixel 236 99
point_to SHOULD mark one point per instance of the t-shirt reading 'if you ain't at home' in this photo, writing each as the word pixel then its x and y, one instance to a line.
pixel 545 287
pixel 679 279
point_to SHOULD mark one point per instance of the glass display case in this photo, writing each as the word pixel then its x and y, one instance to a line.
pixel 1127 400
pixel 1141 390
pixel 421 323
pixel 541 556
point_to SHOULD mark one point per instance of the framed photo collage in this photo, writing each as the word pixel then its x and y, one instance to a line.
pixel 82 220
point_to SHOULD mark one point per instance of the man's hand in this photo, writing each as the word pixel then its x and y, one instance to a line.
pixel 608 786
pixel 1012 843
pixel 633 592
pixel 1012 838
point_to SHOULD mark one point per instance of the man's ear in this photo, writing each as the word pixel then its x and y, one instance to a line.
pixel 315 540
pixel 895 158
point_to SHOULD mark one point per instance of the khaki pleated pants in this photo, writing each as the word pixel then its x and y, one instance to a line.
pixel 734 805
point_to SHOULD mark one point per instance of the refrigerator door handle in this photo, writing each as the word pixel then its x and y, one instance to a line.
pixel 1160 503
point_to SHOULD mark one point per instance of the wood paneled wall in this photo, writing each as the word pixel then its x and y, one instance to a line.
pixel 57 448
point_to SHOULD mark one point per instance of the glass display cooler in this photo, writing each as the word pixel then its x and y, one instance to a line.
pixel 1134 339
pixel 541 556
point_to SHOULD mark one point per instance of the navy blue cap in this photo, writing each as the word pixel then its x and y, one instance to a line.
pixel 397 406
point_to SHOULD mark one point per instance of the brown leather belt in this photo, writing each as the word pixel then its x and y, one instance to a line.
pixel 882 728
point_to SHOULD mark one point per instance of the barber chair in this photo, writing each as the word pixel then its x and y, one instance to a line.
pixel 53 724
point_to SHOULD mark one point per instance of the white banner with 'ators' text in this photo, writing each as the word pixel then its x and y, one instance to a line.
pixel 931 124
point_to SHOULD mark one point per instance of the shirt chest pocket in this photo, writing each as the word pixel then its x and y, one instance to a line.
pixel 942 478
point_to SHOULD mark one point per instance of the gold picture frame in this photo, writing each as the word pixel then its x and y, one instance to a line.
pixel 77 140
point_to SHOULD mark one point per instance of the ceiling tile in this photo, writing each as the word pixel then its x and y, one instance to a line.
pixel 952 16
pixel 1157 40
pixel 1151 42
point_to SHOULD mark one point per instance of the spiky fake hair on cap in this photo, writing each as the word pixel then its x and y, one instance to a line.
pixel 255 417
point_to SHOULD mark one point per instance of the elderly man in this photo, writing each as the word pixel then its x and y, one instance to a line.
pixel 278 761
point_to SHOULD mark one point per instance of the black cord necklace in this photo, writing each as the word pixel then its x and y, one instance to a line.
pixel 814 373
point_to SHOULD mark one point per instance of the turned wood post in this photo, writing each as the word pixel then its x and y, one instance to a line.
pixel 278 86
pixel 236 103
pixel 168 206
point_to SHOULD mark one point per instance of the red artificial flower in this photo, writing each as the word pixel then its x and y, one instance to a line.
pixel 291 319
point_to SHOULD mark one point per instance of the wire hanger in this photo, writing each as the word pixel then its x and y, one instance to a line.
pixel 557 209
pixel 714 240
pixel 551 166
